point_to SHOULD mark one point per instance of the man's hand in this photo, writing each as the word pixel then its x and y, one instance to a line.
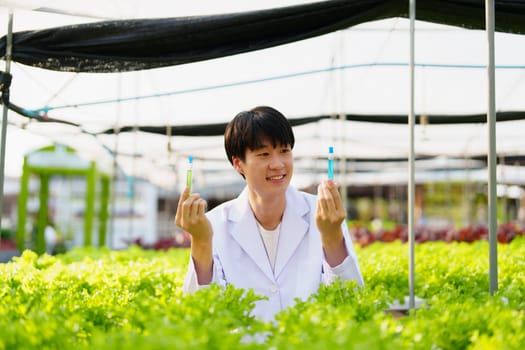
pixel 329 216
pixel 191 218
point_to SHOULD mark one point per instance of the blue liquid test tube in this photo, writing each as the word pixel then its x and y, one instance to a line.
pixel 331 162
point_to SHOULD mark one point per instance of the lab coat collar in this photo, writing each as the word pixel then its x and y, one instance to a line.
pixel 293 228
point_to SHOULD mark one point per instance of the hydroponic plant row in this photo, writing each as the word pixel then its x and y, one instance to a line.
pixel 101 299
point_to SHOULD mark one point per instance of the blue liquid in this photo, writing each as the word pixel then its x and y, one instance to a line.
pixel 331 163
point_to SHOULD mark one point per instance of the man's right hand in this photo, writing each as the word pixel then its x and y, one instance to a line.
pixel 191 218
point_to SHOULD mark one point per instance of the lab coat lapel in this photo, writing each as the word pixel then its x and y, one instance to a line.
pixel 294 226
pixel 246 233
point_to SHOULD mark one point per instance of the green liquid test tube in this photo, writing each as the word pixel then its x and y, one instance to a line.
pixel 189 173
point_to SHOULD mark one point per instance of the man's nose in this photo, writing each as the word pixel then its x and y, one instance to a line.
pixel 276 161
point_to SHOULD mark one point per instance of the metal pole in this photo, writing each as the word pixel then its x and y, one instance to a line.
pixel 115 178
pixel 491 125
pixel 8 51
pixel 342 118
pixel 411 185
pixel 343 171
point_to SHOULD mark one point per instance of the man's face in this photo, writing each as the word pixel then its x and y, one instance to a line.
pixel 268 170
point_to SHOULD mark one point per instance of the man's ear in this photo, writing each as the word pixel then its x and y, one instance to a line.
pixel 237 165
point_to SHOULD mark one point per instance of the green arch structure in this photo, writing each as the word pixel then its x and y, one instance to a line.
pixel 61 160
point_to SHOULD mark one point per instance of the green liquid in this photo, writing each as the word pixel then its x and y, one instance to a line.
pixel 188 179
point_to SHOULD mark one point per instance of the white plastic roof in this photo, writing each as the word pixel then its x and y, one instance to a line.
pixel 362 70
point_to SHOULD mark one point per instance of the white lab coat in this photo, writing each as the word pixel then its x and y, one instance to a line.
pixel 240 258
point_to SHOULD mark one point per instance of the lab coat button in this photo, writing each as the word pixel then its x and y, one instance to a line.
pixel 274 289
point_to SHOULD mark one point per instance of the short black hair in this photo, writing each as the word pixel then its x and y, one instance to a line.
pixel 248 130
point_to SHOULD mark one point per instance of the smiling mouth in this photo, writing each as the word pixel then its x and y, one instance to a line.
pixel 275 178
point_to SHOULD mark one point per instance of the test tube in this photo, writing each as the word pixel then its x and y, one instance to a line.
pixel 331 162
pixel 189 173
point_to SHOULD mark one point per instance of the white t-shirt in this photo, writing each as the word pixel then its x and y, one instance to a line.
pixel 270 240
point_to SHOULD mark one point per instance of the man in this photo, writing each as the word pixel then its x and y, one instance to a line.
pixel 272 238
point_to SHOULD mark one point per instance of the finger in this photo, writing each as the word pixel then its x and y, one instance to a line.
pixel 188 207
pixel 195 206
pixel 178 215
pixel 328 197
pixel 333 190
pixel 321 201
pixel 202 208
